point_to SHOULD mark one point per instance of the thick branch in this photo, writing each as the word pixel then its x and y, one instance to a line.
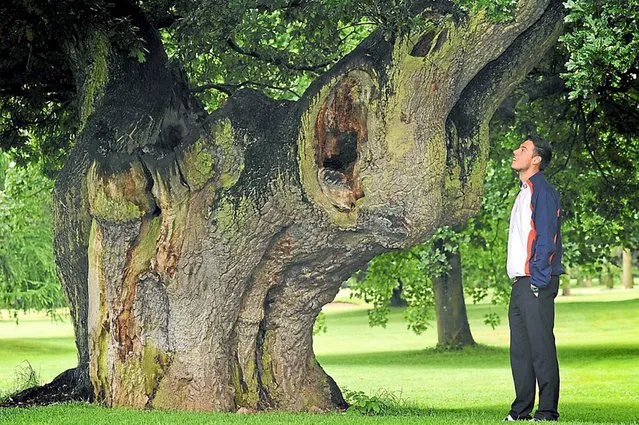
pixel 442 7
pixel 532 90
pixel 230 89
pixel 275 60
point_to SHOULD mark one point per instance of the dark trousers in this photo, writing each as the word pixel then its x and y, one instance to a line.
pixel 533 354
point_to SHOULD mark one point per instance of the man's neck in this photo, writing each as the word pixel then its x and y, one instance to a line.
pixel 524 175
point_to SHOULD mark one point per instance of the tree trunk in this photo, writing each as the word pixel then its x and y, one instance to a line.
pixel 197 250
pixel 452 321
pixel 396 299
pixel 579 275
pixel 627 269
pixel 565 285
pixel 605 277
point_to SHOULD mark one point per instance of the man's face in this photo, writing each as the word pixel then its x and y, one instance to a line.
pixel 525 157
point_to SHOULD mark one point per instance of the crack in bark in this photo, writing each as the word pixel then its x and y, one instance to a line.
pixel 151 183
pixel 265 276
pixel 263 391
pixel 124 322
pixel 183 180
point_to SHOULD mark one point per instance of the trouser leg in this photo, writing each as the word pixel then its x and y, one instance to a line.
pixel 541 321
pixel 521 361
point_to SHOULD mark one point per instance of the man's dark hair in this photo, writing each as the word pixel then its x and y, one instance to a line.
pixel 542 148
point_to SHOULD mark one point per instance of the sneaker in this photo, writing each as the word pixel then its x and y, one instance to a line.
pixel 510 418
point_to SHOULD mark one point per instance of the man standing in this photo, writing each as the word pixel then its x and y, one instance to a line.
pixel 534 265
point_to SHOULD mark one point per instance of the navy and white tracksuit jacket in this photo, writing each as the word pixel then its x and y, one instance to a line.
pixel 534 239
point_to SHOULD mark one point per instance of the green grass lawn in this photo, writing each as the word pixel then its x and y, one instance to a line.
pixel 45 344
pixel 598 343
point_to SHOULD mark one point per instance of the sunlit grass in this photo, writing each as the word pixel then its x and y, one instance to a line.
pixel 35 341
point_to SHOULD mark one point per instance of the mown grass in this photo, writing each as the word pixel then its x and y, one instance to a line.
pixel 588 414
pixel 35 341
pixel 598 345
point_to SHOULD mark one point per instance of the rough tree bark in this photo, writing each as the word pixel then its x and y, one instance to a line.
pixel 453 329
pixel 196 250
pixel 627 269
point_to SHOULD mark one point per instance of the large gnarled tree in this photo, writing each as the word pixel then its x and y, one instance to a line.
pixel 197 249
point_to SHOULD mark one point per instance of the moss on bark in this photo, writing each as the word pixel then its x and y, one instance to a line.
pixel 119 197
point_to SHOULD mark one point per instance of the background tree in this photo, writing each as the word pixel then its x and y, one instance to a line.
pixel 27 269
pixel 431 286
pixel 628 281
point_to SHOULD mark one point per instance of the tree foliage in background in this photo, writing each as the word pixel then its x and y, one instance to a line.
pixel 277 47
pixel 498 10
pixel 603 46
pixel 27 270
pixel 602 116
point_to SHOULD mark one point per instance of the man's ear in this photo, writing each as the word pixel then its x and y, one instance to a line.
pixel 537 160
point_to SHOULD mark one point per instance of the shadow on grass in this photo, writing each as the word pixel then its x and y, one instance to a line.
pixel 626 413
pixel 480 356
pixel 579 306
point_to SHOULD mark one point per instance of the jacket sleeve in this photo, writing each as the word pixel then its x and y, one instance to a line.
pixel 546 223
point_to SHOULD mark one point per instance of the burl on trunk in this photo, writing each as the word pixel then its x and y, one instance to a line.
pixel 197 250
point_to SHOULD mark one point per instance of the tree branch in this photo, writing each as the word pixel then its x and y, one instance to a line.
pixel 275 60
pixel 267 6
pixel 533 90
pixel 573 139
pixel 230 89
pixel 56 90
pixel 166 21
pixel 588 147
pixel 443 7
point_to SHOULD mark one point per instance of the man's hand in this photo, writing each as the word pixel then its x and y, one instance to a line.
pixel 534 290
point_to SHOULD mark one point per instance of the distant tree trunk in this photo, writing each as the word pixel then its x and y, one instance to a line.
pixel 581 281
pixel 197 249
pixel 605 277
pixel 452 321
pixel 588 281
pixel 565 285
pixel 396 298
pixel 627 269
